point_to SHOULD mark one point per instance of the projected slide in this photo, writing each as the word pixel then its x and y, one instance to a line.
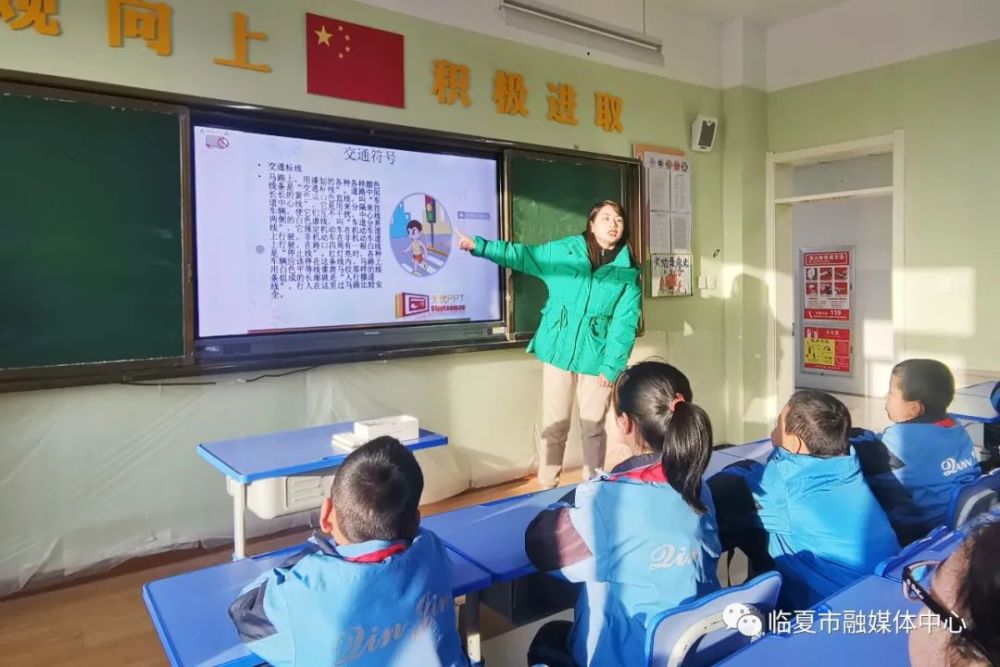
pixel 296 234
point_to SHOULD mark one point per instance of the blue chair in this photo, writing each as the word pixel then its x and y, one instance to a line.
pixel 695 634
pixel 973 499
pixel 939 540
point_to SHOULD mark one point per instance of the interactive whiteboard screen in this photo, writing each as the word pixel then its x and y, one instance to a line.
pixel 296 235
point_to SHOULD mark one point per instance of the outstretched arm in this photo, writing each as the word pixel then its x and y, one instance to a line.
pixel 531 259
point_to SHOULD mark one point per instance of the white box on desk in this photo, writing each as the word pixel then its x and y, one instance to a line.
pixel 401 427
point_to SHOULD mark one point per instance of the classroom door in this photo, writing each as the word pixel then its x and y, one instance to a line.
pixel 844 263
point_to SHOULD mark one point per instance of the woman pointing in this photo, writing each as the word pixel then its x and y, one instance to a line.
pixel 587 328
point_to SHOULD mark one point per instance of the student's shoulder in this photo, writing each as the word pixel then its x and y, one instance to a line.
pixel 588 491
pixel 894 434
pixel 310 549
pixel 427 535
pixel 428 540
pixel 308 559
pixel 920 433
pixel 603 491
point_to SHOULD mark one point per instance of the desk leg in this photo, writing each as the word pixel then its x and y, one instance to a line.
pixel 469 622
pixel 239 521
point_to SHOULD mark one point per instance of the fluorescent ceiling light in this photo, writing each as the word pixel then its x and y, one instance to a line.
pixel 583 30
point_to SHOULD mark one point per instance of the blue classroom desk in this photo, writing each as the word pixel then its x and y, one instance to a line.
pixel 980 389
pixel 758 451
pixel 191 611
pixel 754 451
pixel 975 407
pixel 296 452
pixel 492 535
pixel 871 594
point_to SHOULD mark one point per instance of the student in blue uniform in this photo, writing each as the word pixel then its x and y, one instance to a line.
pixel 807 511
pixel 643 538
pixel 915 466
pixel 991 435
pixel 378 593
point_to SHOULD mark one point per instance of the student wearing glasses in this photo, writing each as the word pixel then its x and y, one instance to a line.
pixel 960 624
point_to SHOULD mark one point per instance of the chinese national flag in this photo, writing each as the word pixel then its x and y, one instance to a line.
pixel 353 62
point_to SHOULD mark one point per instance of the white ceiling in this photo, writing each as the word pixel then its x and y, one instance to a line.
pixel 643 15
pixel 762 12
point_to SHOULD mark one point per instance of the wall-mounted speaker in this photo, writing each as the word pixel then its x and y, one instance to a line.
pixel 703 133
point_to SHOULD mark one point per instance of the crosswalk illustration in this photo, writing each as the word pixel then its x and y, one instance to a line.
pixel 433 260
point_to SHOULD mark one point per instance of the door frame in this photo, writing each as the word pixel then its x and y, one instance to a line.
pixel 782 316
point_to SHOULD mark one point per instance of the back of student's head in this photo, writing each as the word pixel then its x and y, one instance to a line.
pixel 928 381
pixel 376 492
pixel 820 420
pixel 979 594
pixel 657 398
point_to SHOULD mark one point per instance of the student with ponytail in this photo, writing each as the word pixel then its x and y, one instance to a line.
pixel 642 538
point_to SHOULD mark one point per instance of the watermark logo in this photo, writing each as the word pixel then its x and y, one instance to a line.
pixel 739 617
pixel 408 304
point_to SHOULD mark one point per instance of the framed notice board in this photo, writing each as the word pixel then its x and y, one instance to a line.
pixel 667 220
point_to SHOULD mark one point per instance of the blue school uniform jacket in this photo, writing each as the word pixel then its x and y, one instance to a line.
pixel 995 397
pixel 824 527
pixel 638 548
pixel 374 603
pixel 914 468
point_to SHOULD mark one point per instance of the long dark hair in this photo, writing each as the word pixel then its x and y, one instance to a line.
pixel 682 435
pixel 593 247
pixel 979 594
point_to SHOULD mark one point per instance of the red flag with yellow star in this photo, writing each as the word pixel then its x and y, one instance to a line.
pixel 353 62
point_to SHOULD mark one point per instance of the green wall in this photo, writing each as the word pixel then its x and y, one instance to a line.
pixel 947 105
pixel 743 280
pixel 656 110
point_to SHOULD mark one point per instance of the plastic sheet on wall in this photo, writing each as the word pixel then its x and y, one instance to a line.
pixel 95 475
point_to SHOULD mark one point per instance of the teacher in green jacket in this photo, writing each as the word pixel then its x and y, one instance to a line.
pixel 587 329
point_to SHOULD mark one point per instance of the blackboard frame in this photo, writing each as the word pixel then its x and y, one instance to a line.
pixel 31 377
pixel 632 195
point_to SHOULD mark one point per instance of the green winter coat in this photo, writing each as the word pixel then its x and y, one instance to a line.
pixel 590 319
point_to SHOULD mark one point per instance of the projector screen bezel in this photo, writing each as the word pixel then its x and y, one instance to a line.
pixel 357 342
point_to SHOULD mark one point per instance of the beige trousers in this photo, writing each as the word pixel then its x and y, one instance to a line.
pixel 559 387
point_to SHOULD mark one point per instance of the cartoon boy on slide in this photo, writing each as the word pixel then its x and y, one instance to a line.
pixel 417 248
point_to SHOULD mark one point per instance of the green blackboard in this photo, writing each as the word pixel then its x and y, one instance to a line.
pixel 550 198
pixel 91 256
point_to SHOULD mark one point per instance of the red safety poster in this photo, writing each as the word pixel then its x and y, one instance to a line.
pixel 827 349
pixel 827 276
